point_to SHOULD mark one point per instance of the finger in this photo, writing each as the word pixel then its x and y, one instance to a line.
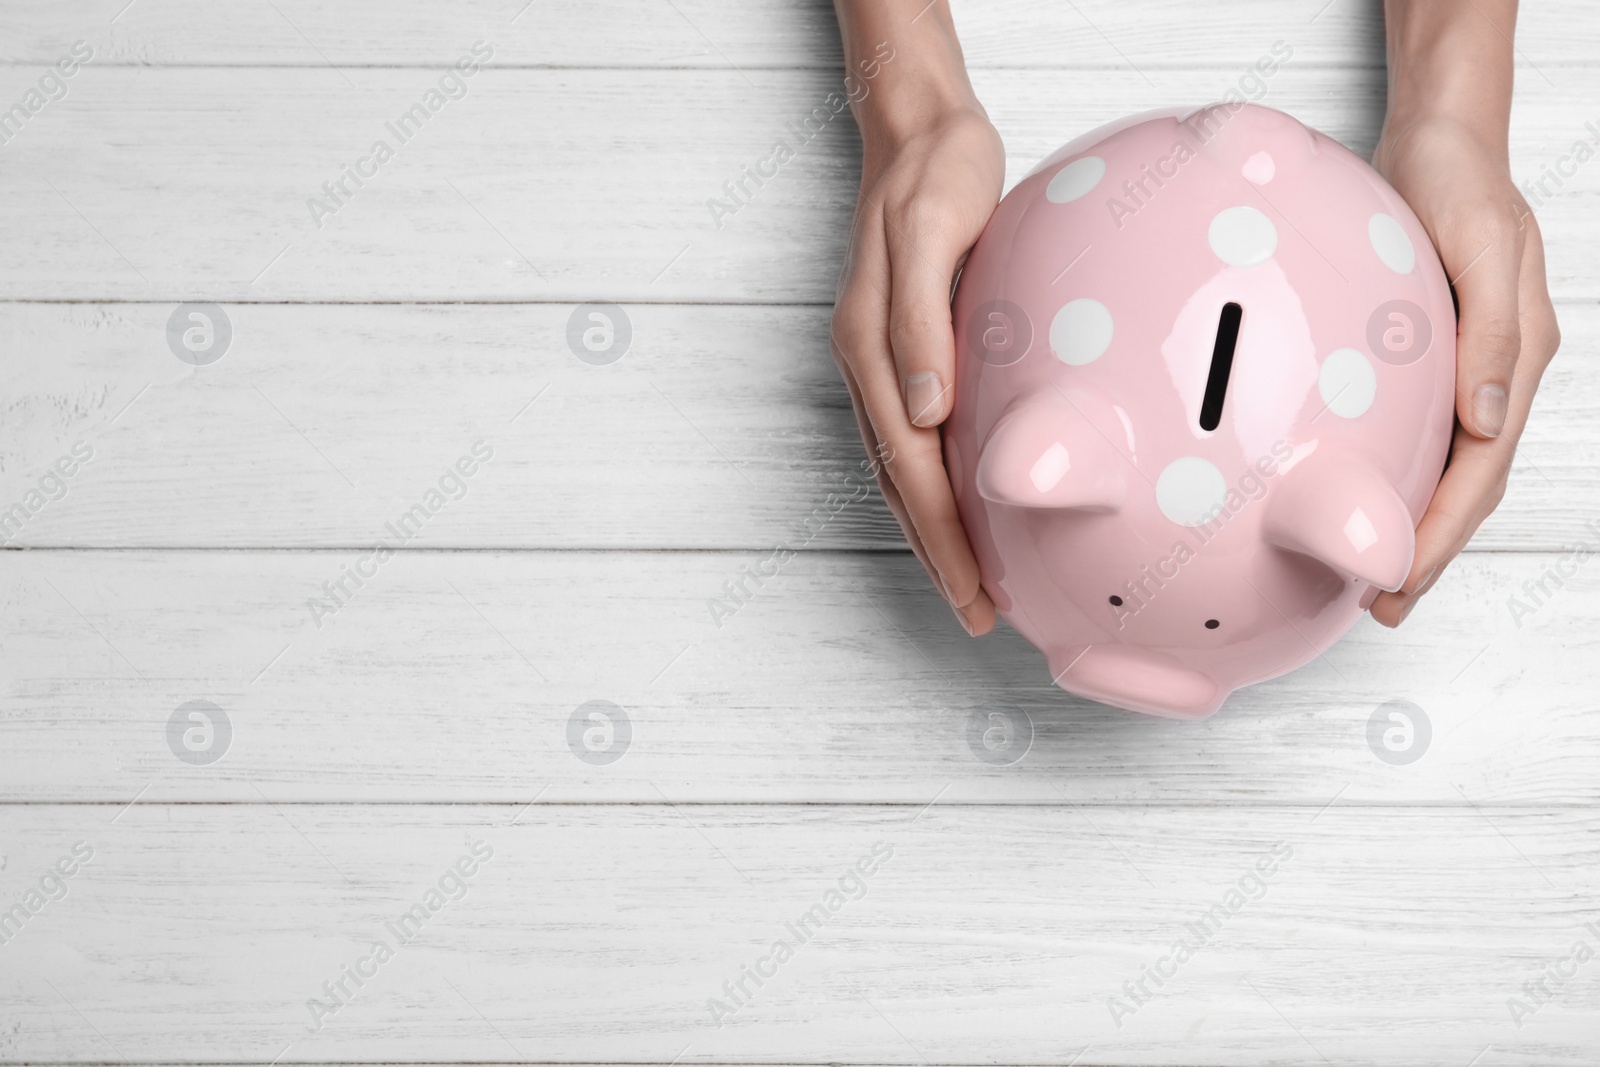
pixel 922 262
pixel 1475 482
pixel 913 460
pixel 875 450
pixel 1470 490
pixel 912 456
pixel 976 619
pixel 858 338
pixel 1484 263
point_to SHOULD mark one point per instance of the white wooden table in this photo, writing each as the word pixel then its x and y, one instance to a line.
pixel 602 911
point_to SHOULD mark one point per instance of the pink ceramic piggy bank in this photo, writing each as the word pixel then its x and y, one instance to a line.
pixel 1205 385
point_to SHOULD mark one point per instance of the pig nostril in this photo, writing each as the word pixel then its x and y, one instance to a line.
pixel 1212 624
pixel 1116 601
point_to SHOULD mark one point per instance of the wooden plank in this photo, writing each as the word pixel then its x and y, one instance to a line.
pixel 975 936
pixel 721 428
pixel 1150 34
pixel 622 895
pixel 185 184
pixel 458 677
pixel 708 401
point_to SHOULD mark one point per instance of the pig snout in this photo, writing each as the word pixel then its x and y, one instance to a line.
pixel 1140 679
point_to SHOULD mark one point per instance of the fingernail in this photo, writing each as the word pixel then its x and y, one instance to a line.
pixel 924 398
pixel 1489 409
pixel 944 588
pixel 1426 578
pixel 962 619
pixel 1407 610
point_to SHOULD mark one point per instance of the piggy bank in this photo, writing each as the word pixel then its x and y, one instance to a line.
pixel 1205 379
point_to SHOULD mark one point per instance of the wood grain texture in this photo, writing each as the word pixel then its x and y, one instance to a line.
pixel 754 34
pixel 561 185
pixel 721 428
pixel 837 707
pixel 453 677
pixel 979 935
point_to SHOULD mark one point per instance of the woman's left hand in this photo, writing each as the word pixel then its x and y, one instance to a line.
pixel 1459 184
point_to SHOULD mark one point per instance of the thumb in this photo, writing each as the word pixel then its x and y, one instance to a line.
pixel 920 333
pixel 1489 338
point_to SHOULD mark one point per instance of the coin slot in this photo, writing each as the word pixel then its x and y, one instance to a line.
pixel 1221 366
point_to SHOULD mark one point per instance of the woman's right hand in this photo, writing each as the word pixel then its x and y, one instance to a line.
pixel 932 172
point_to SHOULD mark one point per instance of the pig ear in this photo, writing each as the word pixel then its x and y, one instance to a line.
pixel 1346 515
pixel 1046 453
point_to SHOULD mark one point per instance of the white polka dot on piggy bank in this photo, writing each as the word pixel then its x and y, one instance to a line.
pixel 1212 457
pixel 1242 236
pixel 1075 180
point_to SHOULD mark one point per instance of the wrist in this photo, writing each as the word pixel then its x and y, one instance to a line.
pixel 1451 64
pixel 893 116
pixel 1422 109
pixel 905 73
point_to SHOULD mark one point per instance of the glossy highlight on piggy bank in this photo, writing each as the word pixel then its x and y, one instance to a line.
pixel 1204 391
